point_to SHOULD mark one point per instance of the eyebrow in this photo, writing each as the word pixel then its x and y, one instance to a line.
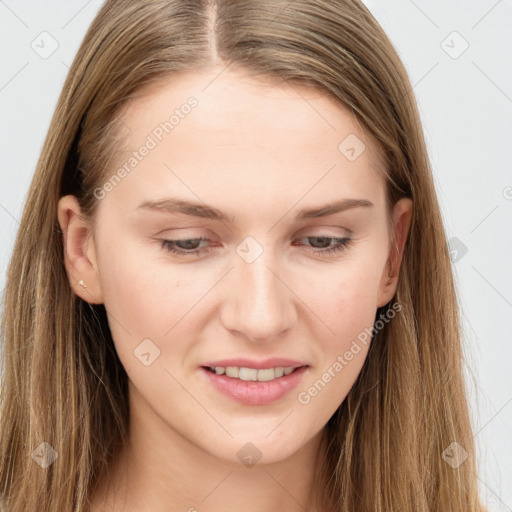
pixel 175 205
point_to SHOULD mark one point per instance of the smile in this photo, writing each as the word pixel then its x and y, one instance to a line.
pixel 252 374
pixel 251 386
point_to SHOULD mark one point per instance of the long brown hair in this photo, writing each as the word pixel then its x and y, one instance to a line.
pixel 64 390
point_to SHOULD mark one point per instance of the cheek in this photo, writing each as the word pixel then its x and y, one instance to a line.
pixel 144 295
pixel 147 295
pixel 344 296
pixel 348 305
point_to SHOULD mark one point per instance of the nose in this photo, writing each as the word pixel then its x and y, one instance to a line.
pixel 258 304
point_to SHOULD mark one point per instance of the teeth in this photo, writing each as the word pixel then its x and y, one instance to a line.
pixel 263 375
pixel 253 374
pixel 279 371
pixel 232 371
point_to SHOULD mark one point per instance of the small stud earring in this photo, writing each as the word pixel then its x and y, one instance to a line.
pixel 81 283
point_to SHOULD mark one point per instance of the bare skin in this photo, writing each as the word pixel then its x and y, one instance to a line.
pixel 260 153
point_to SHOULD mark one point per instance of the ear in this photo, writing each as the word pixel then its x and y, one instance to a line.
pixel 79 251
pixel 401 221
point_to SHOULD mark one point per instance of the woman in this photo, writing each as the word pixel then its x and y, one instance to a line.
pixel 231 286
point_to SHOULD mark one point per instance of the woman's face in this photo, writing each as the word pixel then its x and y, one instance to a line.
pixel 239 164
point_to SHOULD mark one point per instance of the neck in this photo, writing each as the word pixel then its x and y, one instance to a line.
pixel 159 469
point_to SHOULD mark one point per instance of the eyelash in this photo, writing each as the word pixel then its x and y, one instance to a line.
pixel 169 245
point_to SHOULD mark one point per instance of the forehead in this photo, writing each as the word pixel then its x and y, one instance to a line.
pixel 233 105
pixel 251 137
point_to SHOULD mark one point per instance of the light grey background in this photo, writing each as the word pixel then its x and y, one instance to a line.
pixel 465 100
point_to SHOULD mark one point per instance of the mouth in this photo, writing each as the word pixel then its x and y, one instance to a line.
pixel 254 386
pixel 253 374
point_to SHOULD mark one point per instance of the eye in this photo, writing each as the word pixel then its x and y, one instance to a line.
pixel 189 246
pixel 338 245
pixel 188 243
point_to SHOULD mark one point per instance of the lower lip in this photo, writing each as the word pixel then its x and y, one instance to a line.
pixel 255 392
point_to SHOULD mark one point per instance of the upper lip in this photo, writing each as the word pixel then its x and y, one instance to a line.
pixel 272 362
